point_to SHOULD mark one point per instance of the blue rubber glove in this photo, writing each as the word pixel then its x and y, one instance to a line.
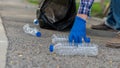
pixel 78 31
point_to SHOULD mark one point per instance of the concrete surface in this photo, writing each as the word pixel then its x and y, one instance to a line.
pixel 3 45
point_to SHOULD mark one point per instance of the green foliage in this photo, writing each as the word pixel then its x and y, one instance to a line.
pixel 77 5
pixel 96 10
pixel 33 1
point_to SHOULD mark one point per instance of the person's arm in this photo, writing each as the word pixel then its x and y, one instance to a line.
pixel 83 16
pixel 78 31
pixel 85 8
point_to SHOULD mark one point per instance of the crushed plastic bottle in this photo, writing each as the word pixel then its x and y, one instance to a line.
pixel 84 49
pixel 32 31
pixel 36 22
pixel 56 38
pixel 61 46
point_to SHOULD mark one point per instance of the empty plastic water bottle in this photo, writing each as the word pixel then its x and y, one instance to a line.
pixel 56 38
pixel 36 22
pixel 70 49
pixel 33 31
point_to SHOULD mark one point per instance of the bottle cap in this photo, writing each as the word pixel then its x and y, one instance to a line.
pixel 36 21
pixel 38 34
pixel 51 48
pixel 87 40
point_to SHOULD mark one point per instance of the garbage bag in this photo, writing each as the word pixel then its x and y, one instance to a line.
pixel 56 14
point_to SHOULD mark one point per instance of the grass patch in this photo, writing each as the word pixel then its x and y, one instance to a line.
pixel 34 1
pixel 96 10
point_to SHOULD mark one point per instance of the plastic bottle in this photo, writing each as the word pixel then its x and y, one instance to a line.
pixel 33 31
pixel 70 49
pixel 36 22
pixel 56 38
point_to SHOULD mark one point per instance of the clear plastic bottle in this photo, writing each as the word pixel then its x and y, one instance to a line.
pixel 36 22
pixel 70 49
pixel 56 38
pixel 32 31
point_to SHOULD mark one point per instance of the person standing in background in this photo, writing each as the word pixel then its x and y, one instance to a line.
pixel 112 22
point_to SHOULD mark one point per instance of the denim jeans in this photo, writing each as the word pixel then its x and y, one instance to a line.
pixel 113 18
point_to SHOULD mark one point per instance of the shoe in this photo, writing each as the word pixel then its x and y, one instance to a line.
pixel 101 26
pixel 114 43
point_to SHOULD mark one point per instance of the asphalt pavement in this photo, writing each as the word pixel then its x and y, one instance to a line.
pixel 27 51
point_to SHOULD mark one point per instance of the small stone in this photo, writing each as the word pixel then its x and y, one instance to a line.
pixel 54 54
pixel 41 45
pixel 110 62
pixel 58 66
pixel 20 55
pixel 11 62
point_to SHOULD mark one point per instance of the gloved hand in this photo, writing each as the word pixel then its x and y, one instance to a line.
pixel 78 31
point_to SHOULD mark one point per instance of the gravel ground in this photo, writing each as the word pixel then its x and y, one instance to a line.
pixel 27 51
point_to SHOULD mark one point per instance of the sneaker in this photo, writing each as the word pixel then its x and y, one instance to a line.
pixel 101 26
pixel 114 43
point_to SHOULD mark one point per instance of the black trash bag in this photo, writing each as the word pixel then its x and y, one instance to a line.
pixel 56 14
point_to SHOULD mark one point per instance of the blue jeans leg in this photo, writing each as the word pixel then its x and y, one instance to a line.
pixel 113 18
